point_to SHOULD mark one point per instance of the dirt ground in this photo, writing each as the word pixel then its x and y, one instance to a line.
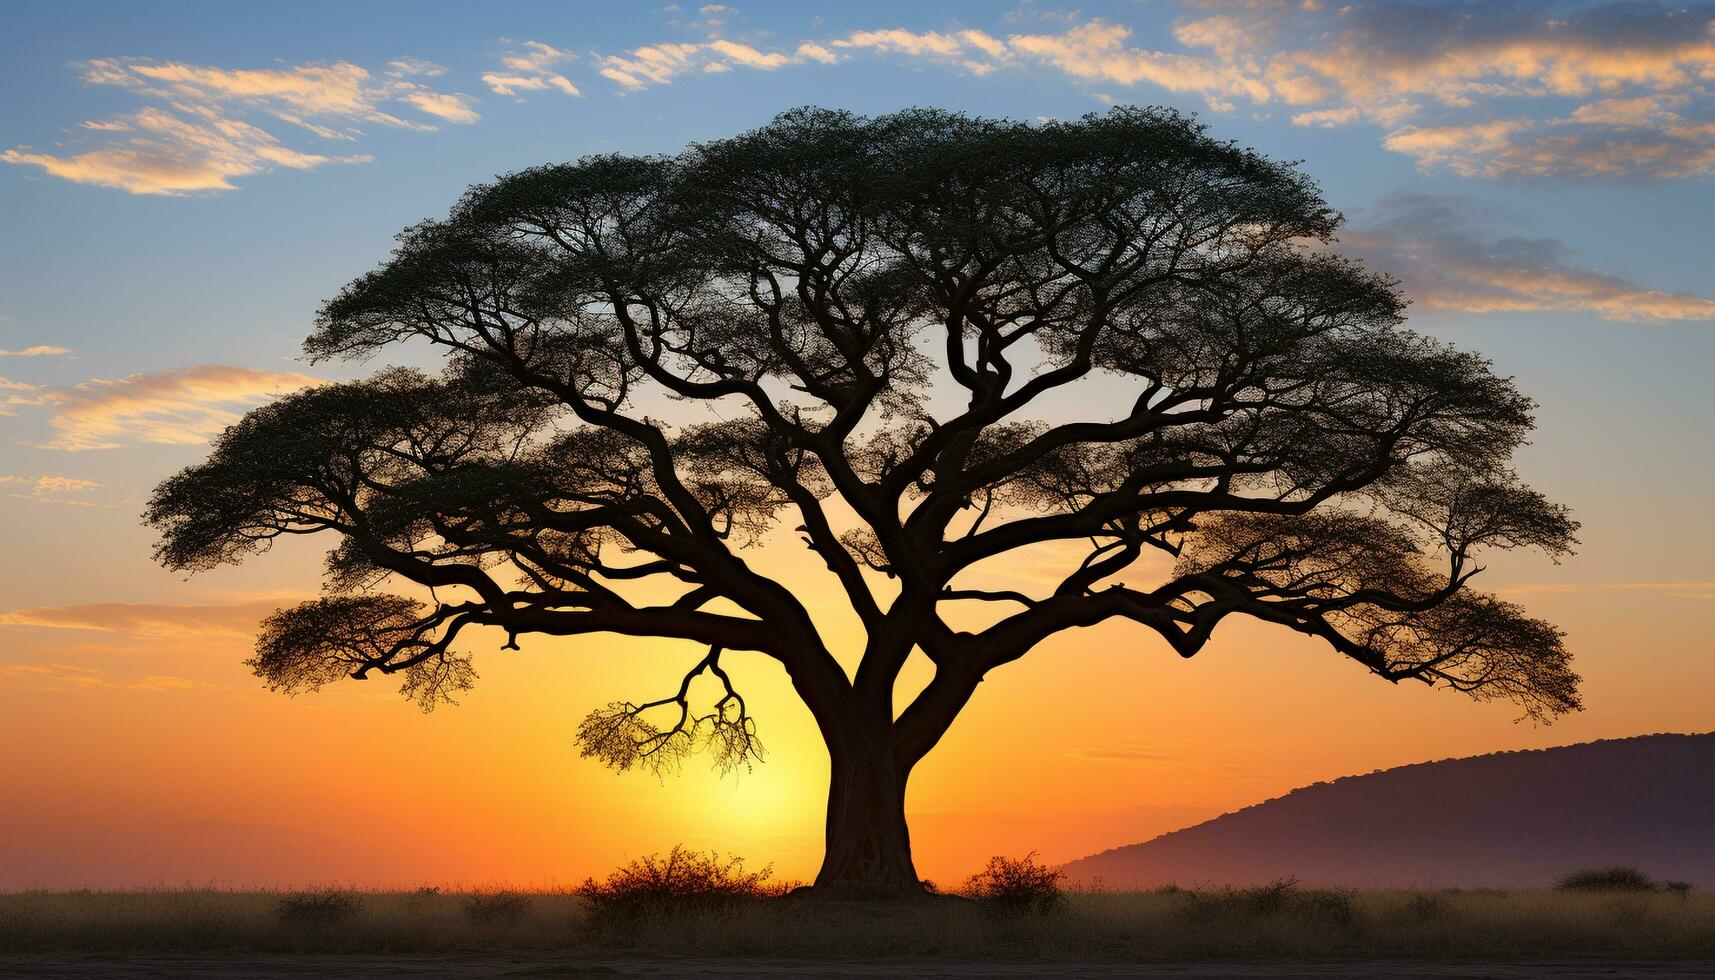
pixel 242 966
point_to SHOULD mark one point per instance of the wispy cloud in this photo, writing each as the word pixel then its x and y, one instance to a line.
pixel 658 64
pixel 1445 250
pixel 40 350
pixel 1484 88
pixel 1481 88
pixel 180 407
pixel 1098 51
pixel 234 620
pixel 54 677
pixel 51 489
pixel 200 128
pixel 1632 137
pixel 17 394
pixel 452 108
pixel 530 67
pixel 1674 590
pixel 654 63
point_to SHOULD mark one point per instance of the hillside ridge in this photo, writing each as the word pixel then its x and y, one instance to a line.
pixel 1311 825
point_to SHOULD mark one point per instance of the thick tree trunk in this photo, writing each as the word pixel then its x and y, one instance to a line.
pixel 868 845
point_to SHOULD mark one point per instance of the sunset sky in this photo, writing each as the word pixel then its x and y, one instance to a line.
pixel 182 184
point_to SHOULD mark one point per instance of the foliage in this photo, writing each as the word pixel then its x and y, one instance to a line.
pixel 327 905
pixel 1282 898
pixel 1018 885
pixel 622 734
pixel 682 881
pixel 1616 878
pixel 501 906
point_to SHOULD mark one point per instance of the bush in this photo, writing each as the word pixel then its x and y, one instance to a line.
pixel 505 907
pixel 1679 888
pixel 1282 898
pixel 682 881
pixel 1017 885
pixel 318 907
pixel 1612 879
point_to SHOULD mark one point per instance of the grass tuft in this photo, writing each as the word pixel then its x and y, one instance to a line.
pixel 502 906
pixel 1611 879
pixel 320 907
pixel 1283 898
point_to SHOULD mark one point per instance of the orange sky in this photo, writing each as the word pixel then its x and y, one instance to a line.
pixel 141 751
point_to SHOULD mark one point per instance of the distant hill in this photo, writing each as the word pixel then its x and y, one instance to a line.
pixel 1511 819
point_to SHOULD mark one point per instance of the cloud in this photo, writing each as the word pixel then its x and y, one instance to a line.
pixel 744 54
pixel 40 350
pixel 529 67
pixel 67 677
pixel 51 489
pixel 1326 118
pixel 901 41
pixel 338 91
pixel 407 67
pixel 1480 88
pixel 63 484
pixel 656 63
pixel 1457 53
pixel 453 108
pixel 200 128
pixel 180 407
pixel 1624 87
pixel 1443 250
pixel 17 394
pixel 1483 88
pixel 171 156
pixel 1096 51
pixel 811 51
pixel 1673 590
pixel 233 620
pixel 1459 146
pixel 1630 137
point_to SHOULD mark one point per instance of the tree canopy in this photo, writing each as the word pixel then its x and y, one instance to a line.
pixel 924 342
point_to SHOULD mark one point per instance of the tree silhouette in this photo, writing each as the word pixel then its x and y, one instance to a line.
pixel 929 343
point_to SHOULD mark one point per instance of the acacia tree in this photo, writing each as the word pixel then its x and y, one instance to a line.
pixel 870 330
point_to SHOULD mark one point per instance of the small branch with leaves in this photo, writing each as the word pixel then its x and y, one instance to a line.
pixel 622 735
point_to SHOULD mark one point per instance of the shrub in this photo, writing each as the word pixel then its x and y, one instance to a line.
pixel 1282 897
pixel 505 907
pixel 317 907
pixel 1679 888
pixel 682 881
pixel 1612 879
pixel 1017 885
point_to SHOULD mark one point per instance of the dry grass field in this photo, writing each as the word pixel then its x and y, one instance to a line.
pixel 1167 926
